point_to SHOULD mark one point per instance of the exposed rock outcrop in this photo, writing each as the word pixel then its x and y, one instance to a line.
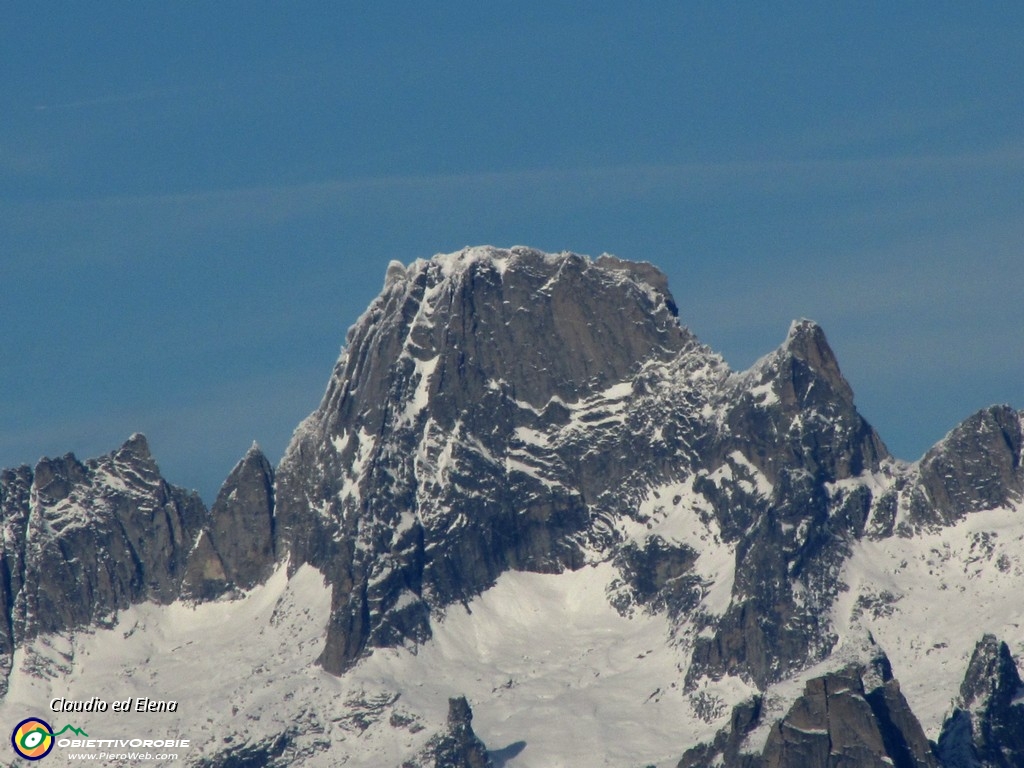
pixel 457 746
pixel 794 408
pixel 83 540
pixel 431 466
pixel 101 535
pixel 986 726
pixel 236 551
pixel 976 466
pixel 853 718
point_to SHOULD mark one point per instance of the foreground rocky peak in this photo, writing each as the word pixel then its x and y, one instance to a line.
pixel 855 717
pixel 992 678
pixel 501 409
pixel 435 441
pixel 986 726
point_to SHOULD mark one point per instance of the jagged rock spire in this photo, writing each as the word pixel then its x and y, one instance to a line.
pixel 986 726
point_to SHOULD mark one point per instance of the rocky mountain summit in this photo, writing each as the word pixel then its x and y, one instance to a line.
pixel 525 466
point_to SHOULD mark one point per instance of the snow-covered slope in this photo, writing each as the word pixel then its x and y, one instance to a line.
pixel 927 600
pixel 556 675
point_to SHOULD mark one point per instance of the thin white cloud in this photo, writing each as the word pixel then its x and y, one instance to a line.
pixel 598 181
pixel 118 99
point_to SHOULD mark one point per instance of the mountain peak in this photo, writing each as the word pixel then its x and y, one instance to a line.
pixel 523 258
pixel 801 330
pixel 488 315
pixel 991 672
pixel 464 259
pixel 806 341
pixel 986 726
pixel 977 465
pixel 460 360
pixel 137 446
pixel 458 263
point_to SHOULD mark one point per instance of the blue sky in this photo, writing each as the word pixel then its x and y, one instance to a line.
pixel 197 199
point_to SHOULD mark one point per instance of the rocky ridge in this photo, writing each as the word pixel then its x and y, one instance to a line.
pixel 83 540
pixel 512 410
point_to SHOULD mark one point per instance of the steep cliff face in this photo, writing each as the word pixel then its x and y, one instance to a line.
pixel 453 442
pixel 236 549
pixel 101 535
pixel 977 466
pixel 986 726
pixel 82 540
pixel 855 718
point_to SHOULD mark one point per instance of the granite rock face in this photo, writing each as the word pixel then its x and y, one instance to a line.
pixel 854 717
pixel 839 722
pixel 236 550
pixel 791 419
pixel 986 727
pixel 449 447
pixel 795 409
pixel 976 467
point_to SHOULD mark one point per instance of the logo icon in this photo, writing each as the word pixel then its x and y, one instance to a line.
pixel 76 731
pixel 32 738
